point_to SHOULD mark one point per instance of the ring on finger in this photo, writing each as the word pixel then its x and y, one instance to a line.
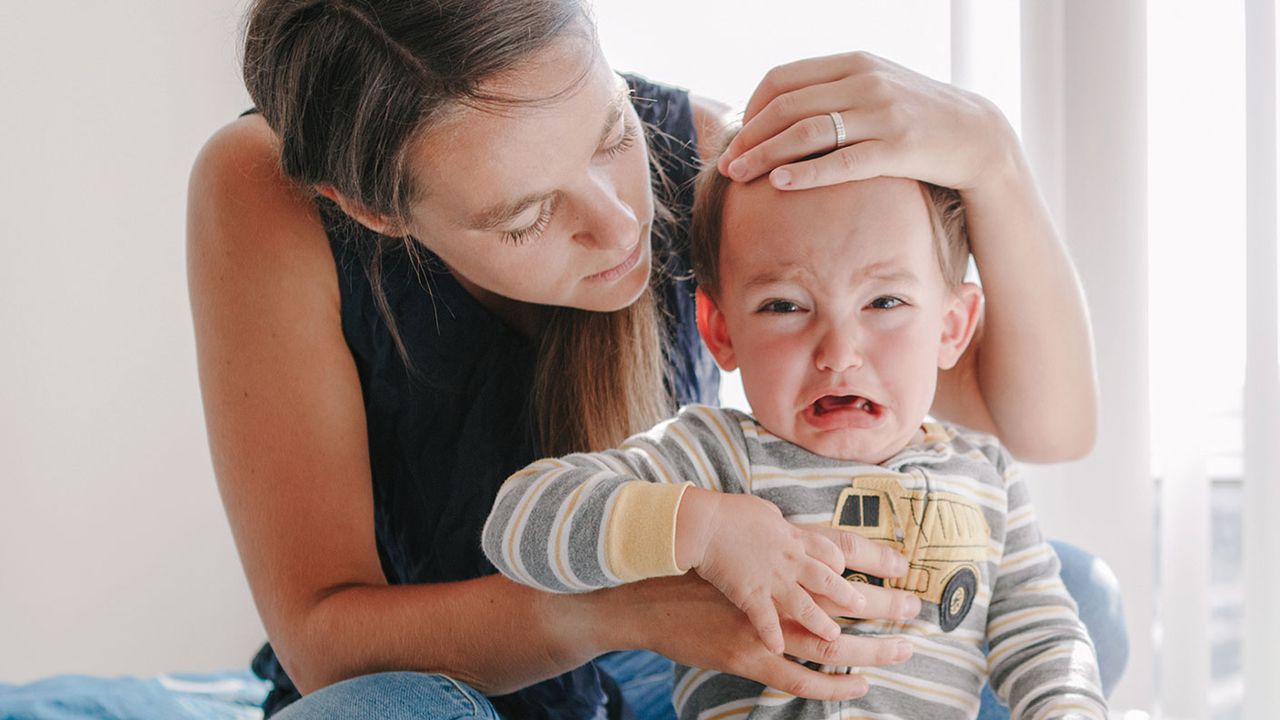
pixel 839 123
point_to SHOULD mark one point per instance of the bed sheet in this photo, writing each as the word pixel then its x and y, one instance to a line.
pixel 232 695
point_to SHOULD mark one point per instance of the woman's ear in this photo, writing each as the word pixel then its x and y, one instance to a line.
pixel 380 224
pixel 715 333
pixel 964 309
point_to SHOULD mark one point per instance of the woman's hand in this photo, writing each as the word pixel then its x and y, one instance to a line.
pixel 897 122
pixel 1035 349
pixel 769 568
pixel 691 622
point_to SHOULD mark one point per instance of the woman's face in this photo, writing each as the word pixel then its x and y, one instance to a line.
pixel 545 202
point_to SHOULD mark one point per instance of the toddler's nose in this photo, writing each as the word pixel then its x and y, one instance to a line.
pixel 838 351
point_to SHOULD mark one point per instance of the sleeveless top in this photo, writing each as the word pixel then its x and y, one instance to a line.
pixel 444 437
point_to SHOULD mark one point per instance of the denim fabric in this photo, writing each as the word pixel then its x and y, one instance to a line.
pixel 393 696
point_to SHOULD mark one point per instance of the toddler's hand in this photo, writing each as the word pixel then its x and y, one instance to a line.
pixel 763 564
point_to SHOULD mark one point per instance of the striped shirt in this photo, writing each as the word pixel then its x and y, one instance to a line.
pixel 953 503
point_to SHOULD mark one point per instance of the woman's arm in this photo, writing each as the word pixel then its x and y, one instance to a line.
pixel 287 433
pixel 1029 377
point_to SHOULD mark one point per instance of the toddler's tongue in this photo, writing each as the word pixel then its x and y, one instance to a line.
pixel 831 403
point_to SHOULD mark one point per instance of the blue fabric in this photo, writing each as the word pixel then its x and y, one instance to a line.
pixel 394 696
pixel 219 696
pixel 444 436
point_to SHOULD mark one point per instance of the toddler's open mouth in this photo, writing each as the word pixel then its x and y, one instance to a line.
pixel 828 404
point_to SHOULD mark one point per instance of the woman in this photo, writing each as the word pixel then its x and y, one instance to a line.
pixel 487 276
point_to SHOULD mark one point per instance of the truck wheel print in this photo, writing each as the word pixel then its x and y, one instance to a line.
pixel 957 598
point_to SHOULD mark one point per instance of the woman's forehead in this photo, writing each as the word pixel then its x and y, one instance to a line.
pixel 565 98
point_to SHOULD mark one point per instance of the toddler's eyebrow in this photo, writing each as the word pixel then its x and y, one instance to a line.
pixel 501 214
pixel 789 272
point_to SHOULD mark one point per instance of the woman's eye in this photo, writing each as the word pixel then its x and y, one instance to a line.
pixel 886 303
pixel 780 306
pixel 525 234
pixel 624 144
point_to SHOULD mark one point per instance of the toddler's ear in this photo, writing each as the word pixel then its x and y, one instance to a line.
pixel 714 332
pixel 959 323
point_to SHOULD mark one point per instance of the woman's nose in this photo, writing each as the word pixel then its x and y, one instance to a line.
pixel 607 221
pixel 838 350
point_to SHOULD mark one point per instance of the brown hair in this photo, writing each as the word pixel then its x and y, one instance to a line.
pixel 348 86
pixel 946 215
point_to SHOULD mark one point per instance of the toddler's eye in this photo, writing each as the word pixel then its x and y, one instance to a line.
pixel 886 303
pixel 780 306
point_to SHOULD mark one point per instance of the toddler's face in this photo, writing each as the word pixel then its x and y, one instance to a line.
pixel 833 306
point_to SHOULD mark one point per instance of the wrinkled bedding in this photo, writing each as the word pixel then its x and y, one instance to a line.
pixel 234 695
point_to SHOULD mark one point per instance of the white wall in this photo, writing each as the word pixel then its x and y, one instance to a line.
pixel 115 556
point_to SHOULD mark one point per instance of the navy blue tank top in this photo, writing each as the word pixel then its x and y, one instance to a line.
pixel 443 437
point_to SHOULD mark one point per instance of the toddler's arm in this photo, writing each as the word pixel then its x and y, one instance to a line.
pixel 592 520
pixel 1041 661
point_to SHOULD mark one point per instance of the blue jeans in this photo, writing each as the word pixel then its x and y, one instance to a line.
pixel 393 696
pixel 645 677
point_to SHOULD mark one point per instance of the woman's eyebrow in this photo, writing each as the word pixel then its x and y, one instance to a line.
pixel 496 216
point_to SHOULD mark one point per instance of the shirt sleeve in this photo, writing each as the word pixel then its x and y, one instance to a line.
pixel 593 520
pixel 1041 661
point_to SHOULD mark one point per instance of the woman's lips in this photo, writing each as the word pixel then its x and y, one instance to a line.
pixel 621 268
pixel 833 412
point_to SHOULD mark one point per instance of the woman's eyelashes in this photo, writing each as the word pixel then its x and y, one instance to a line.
pixel 625 143
pixel 538 226
pixel 524 234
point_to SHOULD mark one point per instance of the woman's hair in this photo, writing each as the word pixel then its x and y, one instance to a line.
pixel 946 215
pixel 349 86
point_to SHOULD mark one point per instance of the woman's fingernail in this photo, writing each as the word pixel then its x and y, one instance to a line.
pixel 782 178
pixel 901 651
pixel 910 607
pixel 899 565
pixel 738 168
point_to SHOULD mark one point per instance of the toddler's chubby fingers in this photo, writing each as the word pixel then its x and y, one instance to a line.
pixel 822 548
pixel 762 613
pixel 800 606
pixel 821 580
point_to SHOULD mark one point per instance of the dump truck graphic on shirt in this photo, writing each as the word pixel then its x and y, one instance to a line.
pixel 944 536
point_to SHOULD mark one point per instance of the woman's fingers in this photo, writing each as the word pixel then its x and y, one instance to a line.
pixel 864 555
pixel 883 603
pixel 808 136
pixel 849 650
pixel 796 679
pixel 784 112
pixel 859 161
pixel 803 73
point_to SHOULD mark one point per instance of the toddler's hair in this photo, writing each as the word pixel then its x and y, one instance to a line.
pixel 946 214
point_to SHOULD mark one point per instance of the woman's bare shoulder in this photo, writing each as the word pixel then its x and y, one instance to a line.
pixel 241 205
